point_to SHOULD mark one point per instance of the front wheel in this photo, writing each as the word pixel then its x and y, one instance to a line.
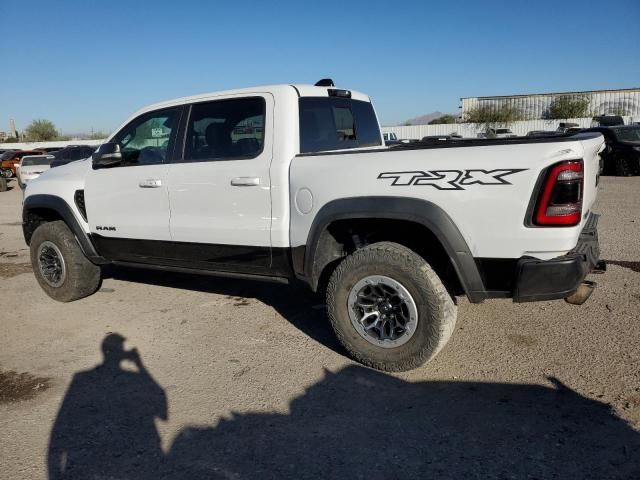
pixel 60 267
pixel 388 308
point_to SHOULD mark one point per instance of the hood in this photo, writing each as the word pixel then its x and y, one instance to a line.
pixel 69 177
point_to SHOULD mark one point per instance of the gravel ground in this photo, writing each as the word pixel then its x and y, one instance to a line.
pixel 227 379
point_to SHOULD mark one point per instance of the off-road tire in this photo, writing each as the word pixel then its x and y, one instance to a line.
pixel 437 311
pixel 625 167
pixel 82 278
pixel 3 185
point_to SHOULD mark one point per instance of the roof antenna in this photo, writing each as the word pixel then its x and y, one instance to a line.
pixel 325 82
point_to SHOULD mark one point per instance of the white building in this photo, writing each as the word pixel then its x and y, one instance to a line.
pixel 625 102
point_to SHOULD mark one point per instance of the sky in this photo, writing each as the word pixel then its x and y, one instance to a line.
pixel 87 65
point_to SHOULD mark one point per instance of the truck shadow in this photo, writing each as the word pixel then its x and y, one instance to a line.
pixel 296 303
pixel 355 423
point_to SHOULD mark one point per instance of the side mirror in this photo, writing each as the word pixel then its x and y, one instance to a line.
pixel 107 155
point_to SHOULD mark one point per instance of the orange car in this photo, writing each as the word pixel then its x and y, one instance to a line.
pixel 11 159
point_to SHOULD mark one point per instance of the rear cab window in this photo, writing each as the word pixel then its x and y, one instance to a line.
pixel 336 123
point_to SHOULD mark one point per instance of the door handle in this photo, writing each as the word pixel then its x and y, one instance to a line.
pixel 245 181
pixel 150 183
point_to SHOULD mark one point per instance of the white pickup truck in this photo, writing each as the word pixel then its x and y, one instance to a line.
pixel 293 183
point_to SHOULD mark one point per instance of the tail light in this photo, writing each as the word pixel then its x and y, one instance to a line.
pixel 560 200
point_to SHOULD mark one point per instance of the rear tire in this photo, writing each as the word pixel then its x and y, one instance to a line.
pixel 60 267
pixel 402 270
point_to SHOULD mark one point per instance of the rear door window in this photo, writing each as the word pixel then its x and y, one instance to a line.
pixel 329 123
pixel 230 129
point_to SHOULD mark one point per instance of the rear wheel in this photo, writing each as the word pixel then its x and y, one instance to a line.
pixel 388 308
pixel 59 265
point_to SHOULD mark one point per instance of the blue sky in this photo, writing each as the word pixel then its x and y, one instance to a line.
pixel 89 64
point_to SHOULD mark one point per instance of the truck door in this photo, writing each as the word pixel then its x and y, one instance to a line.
pixel 127 204
pixel 220 188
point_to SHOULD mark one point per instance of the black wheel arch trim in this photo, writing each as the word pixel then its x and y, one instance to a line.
pixel 419 211
pixel 62 208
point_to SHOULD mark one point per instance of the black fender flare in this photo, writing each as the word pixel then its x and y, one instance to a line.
pixel 62 208
pixel 415 210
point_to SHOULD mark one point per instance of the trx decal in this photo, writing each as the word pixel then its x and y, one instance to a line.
pixel 450 179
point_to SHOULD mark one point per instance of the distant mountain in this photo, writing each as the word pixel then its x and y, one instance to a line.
pixel 425 119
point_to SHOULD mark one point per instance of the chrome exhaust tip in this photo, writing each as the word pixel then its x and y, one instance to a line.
pixel 582 294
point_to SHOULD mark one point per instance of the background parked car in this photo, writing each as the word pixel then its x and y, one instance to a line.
pixel 607 121
pixel 622 154
pixel 71 153
pixel 11 159
pixel 567 127
pixel 30 167
pixel 390 139
pixel 497 133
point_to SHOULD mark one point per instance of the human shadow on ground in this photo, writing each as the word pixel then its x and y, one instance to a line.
pixel 358 423
pixel 296 303
pixel 105 428
pixel 355 423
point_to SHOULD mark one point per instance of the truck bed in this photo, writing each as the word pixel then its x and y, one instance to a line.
pixel 466 142
pixel 485 186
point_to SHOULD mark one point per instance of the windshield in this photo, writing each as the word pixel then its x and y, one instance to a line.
pixel 7 155
pixel 627 134
pixel 36 161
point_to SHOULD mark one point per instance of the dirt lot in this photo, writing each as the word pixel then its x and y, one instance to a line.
pixel 224 379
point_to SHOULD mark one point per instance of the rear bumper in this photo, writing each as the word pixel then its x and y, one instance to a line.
pixel 560 277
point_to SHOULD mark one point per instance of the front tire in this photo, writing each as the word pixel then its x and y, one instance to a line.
pixel 60 267
pixel 388 308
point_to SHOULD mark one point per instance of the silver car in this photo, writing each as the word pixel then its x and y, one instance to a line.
pixel 31 166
